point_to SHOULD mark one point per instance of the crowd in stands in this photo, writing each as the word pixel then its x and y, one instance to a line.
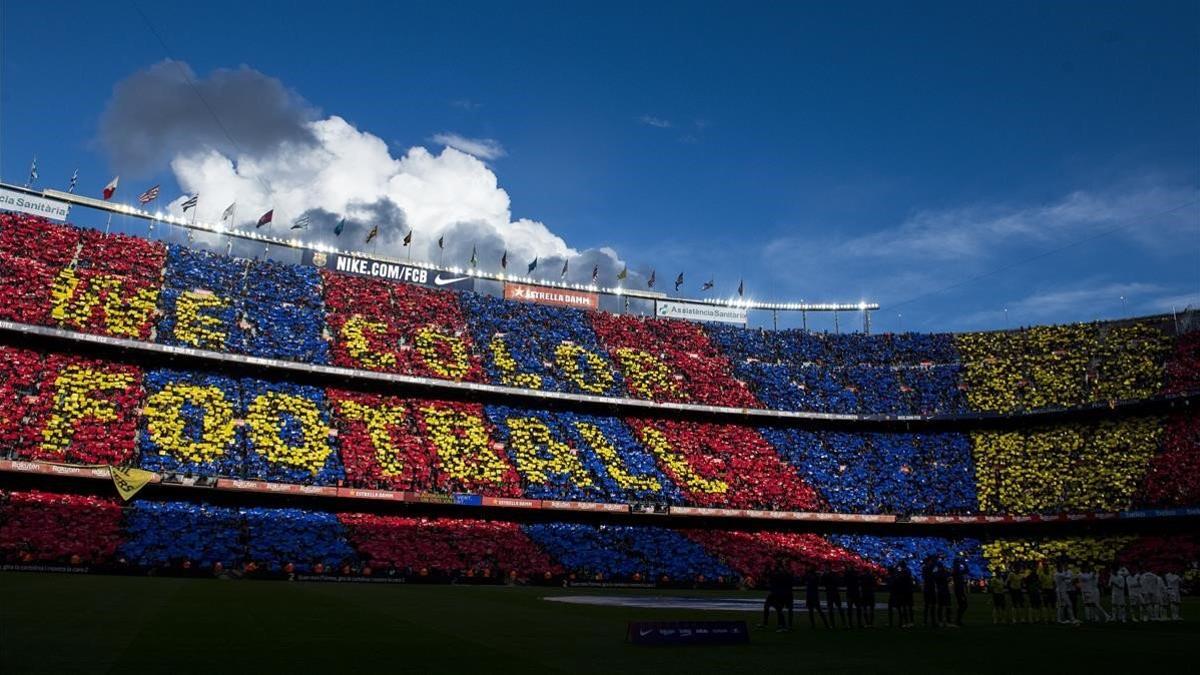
pixel 61 407
pixel 1062 366
pixel 910 373
pixel 114 284
pixel 1097 466
pixel 883 472
pixel 541 347
pixel 67 408
pixel 55 528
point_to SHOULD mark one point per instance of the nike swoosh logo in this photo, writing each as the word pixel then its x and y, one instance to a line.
pixel 439 281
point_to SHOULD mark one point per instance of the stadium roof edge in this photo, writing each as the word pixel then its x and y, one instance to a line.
pixel 617 291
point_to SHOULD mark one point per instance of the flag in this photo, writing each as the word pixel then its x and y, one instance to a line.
pixel 504 260
pixel 301 222
pixel 337 229
pixel 190 202
pixel 595 272
pixel 33 172
pixel 707 285
pixel 148 196
pixel 74 180
pixel 741 287
pixel 474 258
pixel 532 266
pixel 407 238
pixel 375 232
pixel 111 188
pixel 566 263
pixel 442 241
pixel 678 282
pixel 128 481
pixel 650 281
pixel 624 273
pixel 228 213
pixel 265 219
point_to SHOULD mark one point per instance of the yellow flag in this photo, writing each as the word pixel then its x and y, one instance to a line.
pixel 129 481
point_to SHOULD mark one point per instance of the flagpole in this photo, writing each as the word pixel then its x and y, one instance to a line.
pixel 109 223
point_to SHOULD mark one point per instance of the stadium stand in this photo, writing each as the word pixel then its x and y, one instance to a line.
pixel 199 420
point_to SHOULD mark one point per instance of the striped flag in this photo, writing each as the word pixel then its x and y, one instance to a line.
pixel 74 180
pixel 595 272
pixel 33 172
pixel 624 274
pixel 148 196
pixel 190 202
pixel 301 222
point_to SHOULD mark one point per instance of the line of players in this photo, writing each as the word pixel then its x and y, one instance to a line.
pixel 1027 594
pixel 940 585
pixel 1020 595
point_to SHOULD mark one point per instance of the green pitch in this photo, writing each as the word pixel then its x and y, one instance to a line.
pixel 57 623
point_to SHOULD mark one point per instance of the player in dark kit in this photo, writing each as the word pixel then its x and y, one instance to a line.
pixel 812 598
pixel 928 592
pixel 853 598
pixel 833 597
pixel 779 596
pixel 959 574
pixel 867 588
pixel 941 584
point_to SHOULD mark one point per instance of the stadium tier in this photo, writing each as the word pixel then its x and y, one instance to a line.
pixel 137 408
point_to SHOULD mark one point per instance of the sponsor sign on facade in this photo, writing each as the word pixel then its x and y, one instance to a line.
pixel 559 297
pixel 379 269
pixel 11 200
pixel 695 311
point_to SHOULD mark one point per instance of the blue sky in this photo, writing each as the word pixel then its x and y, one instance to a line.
pixel 884 151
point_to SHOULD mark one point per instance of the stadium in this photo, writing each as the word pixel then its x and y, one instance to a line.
pixel 252 441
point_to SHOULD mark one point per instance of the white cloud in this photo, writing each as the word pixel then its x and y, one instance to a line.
pixel 1176 302
pixel 351 173
pixel 972 232
pixel 483 148
pixel 652 121
pixel 285 155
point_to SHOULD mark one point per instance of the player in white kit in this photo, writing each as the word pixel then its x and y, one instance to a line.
pixel 1118 583
pixel 1063 581
pixel 1151 596
pixel 1134 584
pixel 1089 587
pixel 1172 580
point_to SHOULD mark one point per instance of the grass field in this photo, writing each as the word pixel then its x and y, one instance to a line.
pixel 59 623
